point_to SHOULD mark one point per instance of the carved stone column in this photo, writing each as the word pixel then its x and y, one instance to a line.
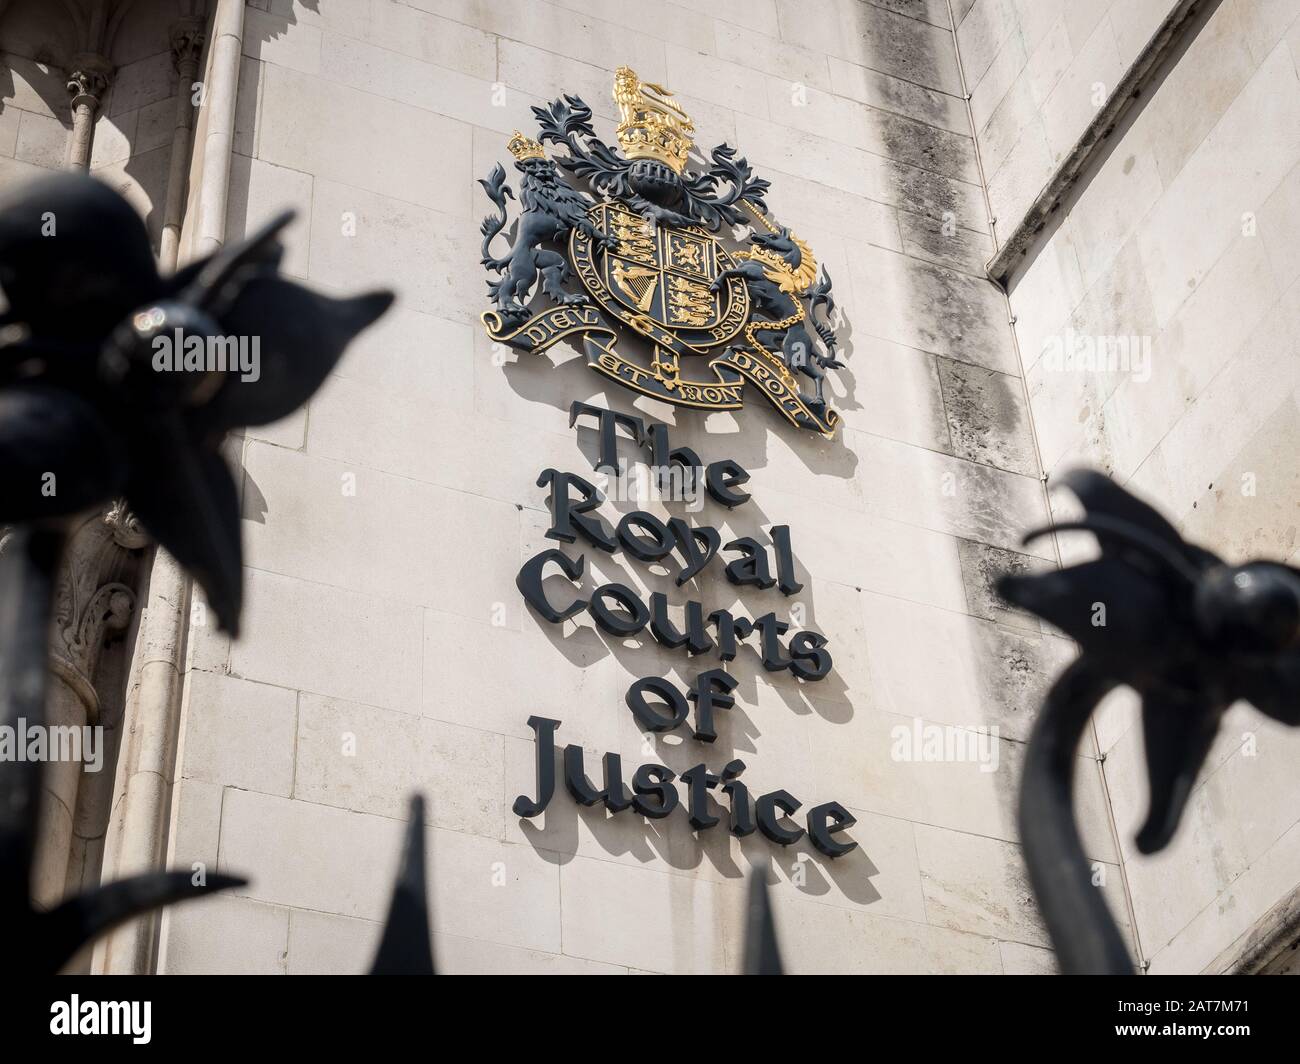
pixel 187 36
pixel 88 81
pixel 93 600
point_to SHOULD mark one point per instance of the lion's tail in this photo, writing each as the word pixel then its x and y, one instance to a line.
pixel 498 192
pixel 819 295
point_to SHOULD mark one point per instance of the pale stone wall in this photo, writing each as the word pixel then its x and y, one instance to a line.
pixel 133 129
pixel 1186 242
pixel 133 134
pixel 1037 72
pixel 372 615
pixel 34 112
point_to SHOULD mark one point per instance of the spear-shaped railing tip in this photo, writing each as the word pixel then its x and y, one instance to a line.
pixel 762 954
pixel 406 947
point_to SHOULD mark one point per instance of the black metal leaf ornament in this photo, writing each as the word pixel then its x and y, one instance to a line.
pixel 1191 635
pixel 87 414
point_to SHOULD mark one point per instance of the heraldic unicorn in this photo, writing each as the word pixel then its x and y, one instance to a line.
pixel 639 230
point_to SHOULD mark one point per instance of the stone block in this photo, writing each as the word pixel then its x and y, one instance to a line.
pixel 876 38
pixel 901 303
pixel 981 567
pixel 819 940
pixel 224 935
pixel 325 944
pixel 682 924
pixel 281 42
pixel 378 662
pixel 195 832
pixel 362 240
pixel 879 132
pixel 502 675
pixel 874 551
pixel 348 141
pixel 945 494
pixel 347 525
pixel 503 893
pixel 9 119
pixel 896 94
pixel 987 417
pixel 1240 161
pixel 407 353
pixel 945 243
pixel 141 83
pixel 258 192
pixel 758 50
pixel 41 141
pixel 113 139
pixel 155 125
pixel 981 34
pixel 1016 183
pixel 895 393
pixel 37 87
pixel 371 760
pixel 1007 66
pixel 435 40
pixel 238 734
pixel 341 16
pixel 1019 959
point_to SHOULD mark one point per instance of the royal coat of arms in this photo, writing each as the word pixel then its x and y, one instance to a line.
pixel 643 234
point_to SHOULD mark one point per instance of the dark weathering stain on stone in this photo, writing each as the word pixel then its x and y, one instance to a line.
pixel 986 417
pixel 934 194
pixel 929 148
pixel 981 567
pixel 945 244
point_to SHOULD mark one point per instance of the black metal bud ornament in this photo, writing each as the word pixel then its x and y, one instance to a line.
pixel 1191 635
pixel 112 384
pixel 116 381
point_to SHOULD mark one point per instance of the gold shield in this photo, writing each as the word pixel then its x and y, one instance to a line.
pixel 657 275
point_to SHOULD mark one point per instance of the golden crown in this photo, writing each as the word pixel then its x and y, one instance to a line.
pixel 652 126
pixel 522 147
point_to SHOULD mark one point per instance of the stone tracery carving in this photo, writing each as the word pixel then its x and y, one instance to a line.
pixel 93 598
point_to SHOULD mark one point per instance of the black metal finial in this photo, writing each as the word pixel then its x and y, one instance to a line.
pixel 762 954
pixel 1191 635
pixel 406 947
pixel 85 400
pixel 87 415
pixel 46 940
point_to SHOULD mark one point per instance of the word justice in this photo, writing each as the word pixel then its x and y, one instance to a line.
pixel 654 796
